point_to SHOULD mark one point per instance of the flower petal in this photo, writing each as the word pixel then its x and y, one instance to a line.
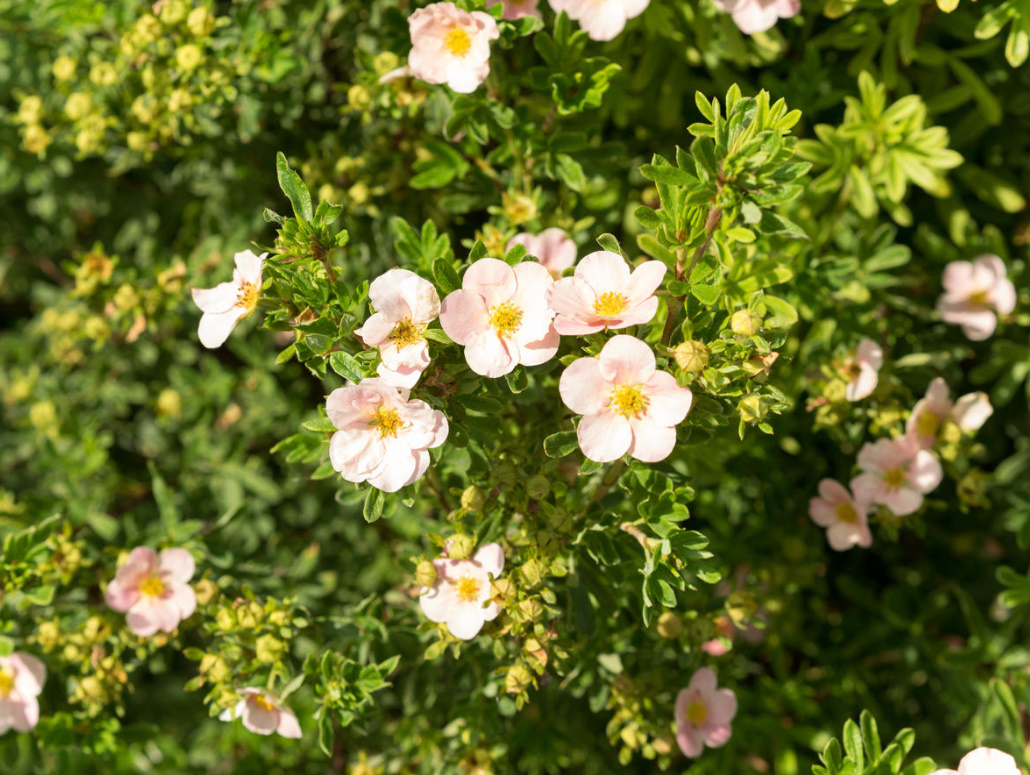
pixel 604 437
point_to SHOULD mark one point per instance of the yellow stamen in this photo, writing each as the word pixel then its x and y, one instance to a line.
pixel 6 682
pixel 468 589
pixel 388 421
pixel 506 318
pixel 405 333
pixel 895 477
pixel 153 587
pixel 697 713
pixel 628 400
pixel 610 304
pixel 262 702
pixel 458 42
pixel 846 513
pixel 979 298
pixel 928 424
pixel 247 296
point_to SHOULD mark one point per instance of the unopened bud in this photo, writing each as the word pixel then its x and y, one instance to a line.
pixel 225 619
pixel 206 591
pixel 200 22
pixel 745 322
pixel 518 679
pixel 752 409
pixel 460 547
pixel 425 574
pixel 669 625
pixel 269 649
pixel 473 499
pixel 691 356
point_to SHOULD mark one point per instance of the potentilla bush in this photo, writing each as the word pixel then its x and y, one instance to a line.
pixel 514 386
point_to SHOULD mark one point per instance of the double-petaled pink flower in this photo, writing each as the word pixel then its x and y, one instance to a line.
pixel 984 761
pixel 21 680
pixel 627 405
pixel 602 19
pixel 501 316
pixel 603 294
pixel 383 438
pixel 405 305
pixel 975 293
pixel 461 596
pixel 153 589
pixel 551 247
pixel 863 370
pixel 263 714
pixel 704 714
pixel 934 411
pixel 896 473
pixel 451 46
pixel 228 303
pixel 516 9
pixel 844 517
pixel 753 16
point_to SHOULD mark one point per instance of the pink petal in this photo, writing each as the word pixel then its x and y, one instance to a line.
pixel 703 682
pixel 958 277
pixel 438 602
pixel 972 411
pixel 1003 297
pixel 288 725
pixel 833 492
pixel 863 385
pixel 491 279
pixel 668 403
pixel 902 501
pixel 821 512
pixel 644 281
pixel 652 441
pixel 572 297
pixel 221 298
pixel 583 389
pixel 604 437
pixel 398 466
pixel 869 353
pixel 375 330
pixel 869 488
pixel 722 706
pixel 636 315
pixel 988 761
pixel 604 272
pixel 120 597
pixel 24 715
pixel 625 360
pixel 29 674
pixel 176 565
pixel 465 621
pixel 215 328
pixel 925 472
pixel 184 599
pixel 489 356
pixel 491 558
pixel 843 536
pixel 534 353
pixel 716 735
pixel 249 265
pixel 259 720
pixel 464 315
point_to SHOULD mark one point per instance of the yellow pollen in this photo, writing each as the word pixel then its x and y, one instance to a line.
pixel 506 318
pixel 895 477
pixel 468 589
pixel 846 513
pixel 152 587
pixel 6 682
pixel 262 702
pixel 979 298
pixel 387 420
pixel 610 304
pixel 458 42
pixel 247 296
pixel 697 713
pixel 628 400
pixel 928 424
pixel 405 333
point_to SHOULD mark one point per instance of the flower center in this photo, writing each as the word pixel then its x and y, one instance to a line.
pixel 388 421
pixel 697 712
pixel 6 682
pixel 895 477
pixel 928 424
pixel 152 587
pixel 846 513
pixel 247 296
pixel 628 400
pixel 405 333
pixel 458 42
pixel 979 298
pixel 506 318
pixel 468 589
pixel 610 304
pixel 262 702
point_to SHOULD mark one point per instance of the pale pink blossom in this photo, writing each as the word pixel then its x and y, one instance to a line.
pixel 383 438
pixel 627 405
pixel 975 293
pixel 727 630
pixel 21 680
pixel 228 303
pixel 934 411
pixel 602 19
pixel 864 370
pixel 461 596
pixel 153 589
pixel 896 473
pixel 516 9
pixel 603 295
pixel 263 713
pixel 753 16
pixel 551 247
pixel 501 316
pixel 844 517
pixel 984 761
pixel 405 305
pixel 451 46
pixel 704 714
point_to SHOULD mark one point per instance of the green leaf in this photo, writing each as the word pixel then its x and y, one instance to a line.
pixel 346 366
pixel 373 508
pixel 611 244
pixel 706 294
pixel 292 185
pixel 165 499
pixel 570 171
pixel 518 380
pixel 446 275
pixel 560 444
pixel 321 425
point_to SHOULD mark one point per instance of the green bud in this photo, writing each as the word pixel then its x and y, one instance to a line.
pixel 385 62
pixel 64 68
pixel 173 12
pixel 126 298
pixel 460 547
pixel 745 322
pixel 269 649
pixel 358 97
pixel 691 356
pixel 200 22
pixel 518 679
pixel 103 74
pixel 214 668
pixel 473 499
pixel 30 110
pixel 425 574
pixel 751 409
pixel 180 101
pixel 205 589
pixel 169 404
pixel 225 619
pixel 189 57
pixel 503 590
pixel 43 416
pixel 669 625
pixel 48 635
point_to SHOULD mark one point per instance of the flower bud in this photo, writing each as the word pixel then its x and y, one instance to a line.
pixel 250 615
pixel 459 547
pixel 225 619
pixel 77 105
pixel 125 298
pixel 518 679
pixel 662 745
pixel 269 649
pixel 94 629
pixel 425 574
pixel 359 193
pixel 169 404
pixel 173 12
pixel 137 141
pixel 533 572
pixel 43 416
pixel 30 111
pixel 214 668
pixel 35 139
pixel 745 322
pixel 358 97
pixel 180 101
pixel 385 62
pixel 90 688
pixel 473 499
pixel 189 57
pixel 48 635
pixel 669 625
pixel 103 74
pixel 691 356
pixel 751 409
pixel 64 68
pixel 205 589
pixel 200 22
pixel 518 208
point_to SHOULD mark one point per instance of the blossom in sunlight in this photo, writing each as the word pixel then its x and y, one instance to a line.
pixel 934 411
pixel 263 714
pixel 516 9
pixel 984 761
pixel 461 597
pixel 501 316
pixel 405 305
pixel 844 517
pixel 228 303
pixel 21 680
pixel 864 370
pixel 153 590
pixel 551 247
pixel 602 19
pixel 383 438
pixel 704 714
pixel 975 293
pixel 896 473
pixel 451 46
pixel 753 16
pixel 627 405
pixel 603 294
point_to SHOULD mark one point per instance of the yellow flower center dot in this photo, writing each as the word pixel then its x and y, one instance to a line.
pixel 248 295
pixel 610 304
pixel 468 589
pixel 153 587
pixel 262 702
pixel 895 477
pixel 697 712
pixel 979 298
pixel 846 513
pixel 6 682
pixel 505 318
pixel 628 400
pixel 458 42
pixel 405 333
pixel 388 421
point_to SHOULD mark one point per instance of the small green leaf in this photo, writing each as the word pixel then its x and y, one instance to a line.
pixel 346 366
pixel 292 185
pixel 373 508
pixel 560 444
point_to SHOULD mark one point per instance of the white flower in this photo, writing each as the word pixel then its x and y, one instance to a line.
pixel 228 303
pixel 602 19
pixel 461 595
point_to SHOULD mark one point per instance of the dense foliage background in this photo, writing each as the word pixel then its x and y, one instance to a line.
pixel 138 154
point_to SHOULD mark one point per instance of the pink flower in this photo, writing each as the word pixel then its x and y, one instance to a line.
pixel 984 761
pixel 703 714
pixel 516 9
pixel 228 303
pixel 928 416
pixel 154 590
pixel 501 316
pixel 897 473
pixel 844 517
pixel 753 16
pixel 383 437
pixel 461 595
pixel 451 46
pixel 627 405
pixel 602 19
pixel 21 680
pixel 602 294
pixel 405 305
pixel 551 247
pixel 975 294
pixel 263 714
pixel 864 370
